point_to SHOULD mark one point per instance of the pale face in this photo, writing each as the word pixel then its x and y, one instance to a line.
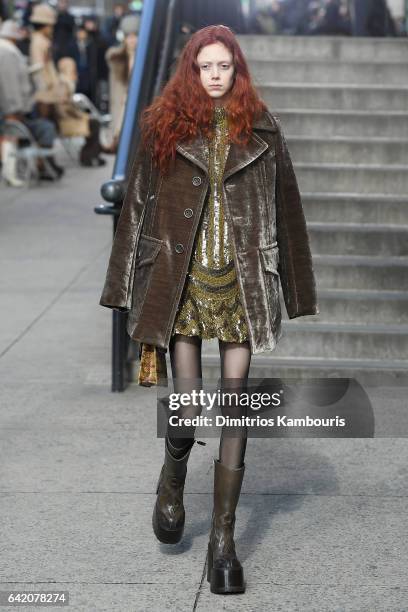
pixel 216 71
pixel 131 42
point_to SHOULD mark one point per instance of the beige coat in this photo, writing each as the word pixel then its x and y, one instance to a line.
pixel 118 62
pixel 52 88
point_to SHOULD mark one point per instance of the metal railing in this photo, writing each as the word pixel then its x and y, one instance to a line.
pixel 154 54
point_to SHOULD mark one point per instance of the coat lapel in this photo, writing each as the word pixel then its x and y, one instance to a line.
pixel 238 156
pixel 195 151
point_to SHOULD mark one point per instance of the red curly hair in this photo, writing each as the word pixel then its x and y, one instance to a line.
pixel 184 109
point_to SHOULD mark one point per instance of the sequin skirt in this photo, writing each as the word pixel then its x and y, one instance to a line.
pixel 211 306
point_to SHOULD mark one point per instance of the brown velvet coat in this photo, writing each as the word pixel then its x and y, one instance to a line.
pixel 153 243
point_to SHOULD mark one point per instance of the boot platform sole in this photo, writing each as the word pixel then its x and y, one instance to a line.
pixel 223 581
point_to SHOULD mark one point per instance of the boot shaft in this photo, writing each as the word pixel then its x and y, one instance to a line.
pixel 227 488
pixel 175 467
pixel 9 159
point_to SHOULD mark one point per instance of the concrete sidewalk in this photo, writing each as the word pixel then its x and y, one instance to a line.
pixel 320 524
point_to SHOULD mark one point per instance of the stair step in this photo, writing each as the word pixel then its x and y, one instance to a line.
pixel 371 373
pixel 341 48
pixel 358 238
pixel 328 123
pixel 376 151
pixel 365 178
pixel 334 96
pixel 328 71
pixel 361 272
pixel 354 305
pixel 343 103
pixel 319 340
pixel 362 341
pixel 268 365
pixel 355 207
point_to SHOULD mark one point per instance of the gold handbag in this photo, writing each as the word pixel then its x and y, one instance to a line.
pixel 153 367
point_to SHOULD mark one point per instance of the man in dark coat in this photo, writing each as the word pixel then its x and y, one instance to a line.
pixel 371 18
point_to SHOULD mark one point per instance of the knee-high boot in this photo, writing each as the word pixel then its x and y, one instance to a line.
pixel 224 571
pixel 169 514
pixel 8 152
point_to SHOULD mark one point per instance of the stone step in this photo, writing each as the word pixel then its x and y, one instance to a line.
pixel 358 239
pixel 318 340
pixel 346 123
pixel 340 48
pixel 334 96
pixel 361 272
pixel 267 365
pixel 357 305
pixel 327 71
pixel 364 178
pixel 353 124
pixel 355 208
pixel 377 151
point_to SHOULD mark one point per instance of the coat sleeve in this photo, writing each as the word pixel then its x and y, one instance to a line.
pixel 295 260
pixel 12 98
pixel 117 290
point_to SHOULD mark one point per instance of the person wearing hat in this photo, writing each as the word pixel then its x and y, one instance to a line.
pixel 120 61
pixel 17 102
pixel 54 90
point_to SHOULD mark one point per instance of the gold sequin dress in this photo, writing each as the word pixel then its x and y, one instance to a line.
pixel 210 303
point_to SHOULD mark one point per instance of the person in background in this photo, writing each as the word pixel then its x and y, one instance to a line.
pixel 283 17
pixel 54 91
pixel 24 42
pixel 120 61
pixel 96 49
pixel 269 20
pixel 27 12
pixel 111 24
pixel 64 29
pixel 371 18
pixel 16 103
pixel 4 13
pixel 82 52
pixel 201 14
pixel 332 19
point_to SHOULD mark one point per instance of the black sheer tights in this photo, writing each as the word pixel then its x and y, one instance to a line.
pixel 185 357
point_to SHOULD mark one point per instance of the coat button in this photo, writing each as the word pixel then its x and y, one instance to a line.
pixel 188 212
pixel 179 248
pixel 197 181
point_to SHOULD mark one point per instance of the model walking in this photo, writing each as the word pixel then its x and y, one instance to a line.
pixel 211 220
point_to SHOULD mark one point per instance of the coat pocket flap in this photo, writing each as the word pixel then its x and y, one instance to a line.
pixel 147 250
pixel 270 257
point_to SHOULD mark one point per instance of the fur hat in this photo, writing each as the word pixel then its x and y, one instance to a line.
pixel 10 29
pixel 129 24
pixel 43 14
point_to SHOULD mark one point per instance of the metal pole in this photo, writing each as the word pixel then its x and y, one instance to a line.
pixel 131 114
pixel 406 16
pixel 120 338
